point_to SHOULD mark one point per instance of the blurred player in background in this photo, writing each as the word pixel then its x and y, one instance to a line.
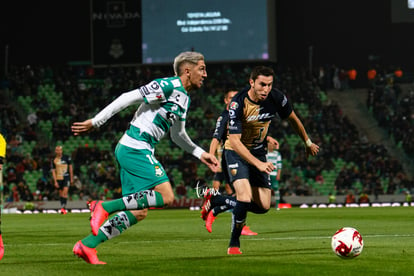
pixel 62 173
pixel 217 143
pixel 250 114
pixel 162 107
pixel 274 156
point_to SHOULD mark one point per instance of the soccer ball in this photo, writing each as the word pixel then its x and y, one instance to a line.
pixel 347 243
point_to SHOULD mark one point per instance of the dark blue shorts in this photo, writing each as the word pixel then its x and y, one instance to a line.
pixel 238 168
pixel 63 183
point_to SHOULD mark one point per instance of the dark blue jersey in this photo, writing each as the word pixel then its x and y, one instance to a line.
pixel 61 167
pixel 220 132
pixel 252 119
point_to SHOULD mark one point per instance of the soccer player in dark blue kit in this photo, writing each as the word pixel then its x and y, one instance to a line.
pixel 250 114
pixel 62 172
pixel 215 203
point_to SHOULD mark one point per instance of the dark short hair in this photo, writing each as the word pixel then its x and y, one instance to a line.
pixel 261 71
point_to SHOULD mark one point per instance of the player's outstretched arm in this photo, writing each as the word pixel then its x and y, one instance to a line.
pixel 272 140
pixel 180 137
pixel 311 148
pixel 210 160
pixel 82 127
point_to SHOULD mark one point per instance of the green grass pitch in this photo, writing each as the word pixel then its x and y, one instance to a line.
pixel 175 242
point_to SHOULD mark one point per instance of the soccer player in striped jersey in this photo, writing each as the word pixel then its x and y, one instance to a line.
pixel 273 155
pixel 163 105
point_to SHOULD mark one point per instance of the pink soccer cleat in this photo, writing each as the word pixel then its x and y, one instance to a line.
pixel 247 232
pixel 98 216
pixel 209 221
pixel 234 251
pixel 86 253
pixel 205 208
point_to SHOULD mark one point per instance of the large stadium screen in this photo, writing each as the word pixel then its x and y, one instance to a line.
pixel 223 30
pixel 402 11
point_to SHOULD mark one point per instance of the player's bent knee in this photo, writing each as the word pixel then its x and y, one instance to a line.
pixel 168 199
pixel 140 214
pixel 262 210
pixel 258 208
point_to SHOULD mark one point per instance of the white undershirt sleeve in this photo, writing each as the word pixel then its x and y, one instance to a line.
pixel 123 101
pixel 181 138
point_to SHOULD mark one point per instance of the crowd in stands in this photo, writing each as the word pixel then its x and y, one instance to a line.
pixel 393 109
pixel 80 91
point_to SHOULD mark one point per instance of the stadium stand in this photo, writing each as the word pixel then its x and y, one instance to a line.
pixel 60 96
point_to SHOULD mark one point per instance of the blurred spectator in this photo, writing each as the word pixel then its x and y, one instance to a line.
pixel 363 198
pixel 181 190
pixel 371 164
pixel 350 198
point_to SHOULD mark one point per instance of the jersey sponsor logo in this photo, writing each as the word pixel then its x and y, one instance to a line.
pixel 235 165
pixel 218 123
pixel 155 86
pixel 171 117
pixel 179 98
pixel 144 90
pixel 259 117
pixel 231 125
pixel 176 83
pixel 174 107
pixel 284 100
pixel 152 92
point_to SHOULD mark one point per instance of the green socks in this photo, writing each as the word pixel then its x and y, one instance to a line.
pixel 138 201
pixel 111 228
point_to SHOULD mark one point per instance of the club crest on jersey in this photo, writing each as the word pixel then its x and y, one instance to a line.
pixel 233 169
pixel 158 171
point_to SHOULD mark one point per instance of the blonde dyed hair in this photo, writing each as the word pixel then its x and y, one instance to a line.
pixel 186 57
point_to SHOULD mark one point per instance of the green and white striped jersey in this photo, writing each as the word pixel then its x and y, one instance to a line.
pixel 163 106
pixel 166 101
pixel 276 158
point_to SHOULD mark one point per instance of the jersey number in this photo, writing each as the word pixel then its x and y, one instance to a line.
pixel 260 137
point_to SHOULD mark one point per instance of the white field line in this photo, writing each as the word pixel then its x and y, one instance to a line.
pixel 137 241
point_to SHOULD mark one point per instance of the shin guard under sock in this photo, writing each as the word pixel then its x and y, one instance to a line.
pixel 112 228
pixel 238 222
pixel 220 209
pixel 138 201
